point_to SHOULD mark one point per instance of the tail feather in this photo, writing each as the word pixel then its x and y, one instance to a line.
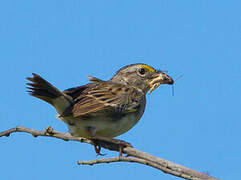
pixel 42 89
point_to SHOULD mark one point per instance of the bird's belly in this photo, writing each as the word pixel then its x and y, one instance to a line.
pixel 103 126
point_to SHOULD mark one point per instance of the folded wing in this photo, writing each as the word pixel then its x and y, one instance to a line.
pixel 101 97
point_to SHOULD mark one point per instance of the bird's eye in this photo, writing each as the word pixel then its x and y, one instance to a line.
pixel 142 71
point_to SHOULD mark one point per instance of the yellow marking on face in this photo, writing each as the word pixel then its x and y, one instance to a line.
pixel 131 111
pixel 149 68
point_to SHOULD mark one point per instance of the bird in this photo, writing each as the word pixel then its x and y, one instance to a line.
pixel 102 109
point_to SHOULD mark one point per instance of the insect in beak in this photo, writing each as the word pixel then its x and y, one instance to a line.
pixel 158 79
pixel 179 77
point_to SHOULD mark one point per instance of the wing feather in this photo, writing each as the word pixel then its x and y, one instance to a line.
pixel 104 96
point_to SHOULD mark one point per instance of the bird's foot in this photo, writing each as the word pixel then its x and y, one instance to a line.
pixel 112 144
pixel 98 149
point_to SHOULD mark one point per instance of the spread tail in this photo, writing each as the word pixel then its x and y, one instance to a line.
pixel 42 89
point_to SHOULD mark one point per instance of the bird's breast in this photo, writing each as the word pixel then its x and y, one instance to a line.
pixel 105 124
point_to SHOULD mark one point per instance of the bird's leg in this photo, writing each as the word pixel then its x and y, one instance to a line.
pixel 97 150
pixel 106 142
pixel 91 131
pixel 122 144
pixel 109 143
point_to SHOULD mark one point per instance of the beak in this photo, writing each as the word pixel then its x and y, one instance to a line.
pixel 158 79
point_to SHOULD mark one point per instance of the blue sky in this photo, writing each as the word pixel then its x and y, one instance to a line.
pixel 65 41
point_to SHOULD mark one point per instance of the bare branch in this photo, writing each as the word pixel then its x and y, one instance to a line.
pixel 48 132
pixel 136 155
pixel 121 159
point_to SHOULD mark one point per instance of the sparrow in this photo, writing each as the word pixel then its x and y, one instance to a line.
pixel 102 109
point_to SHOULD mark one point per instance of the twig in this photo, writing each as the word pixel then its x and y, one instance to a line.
pixel 121 159
pixel 136 155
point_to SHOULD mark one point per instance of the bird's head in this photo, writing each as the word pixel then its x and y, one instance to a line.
pixel 141 76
